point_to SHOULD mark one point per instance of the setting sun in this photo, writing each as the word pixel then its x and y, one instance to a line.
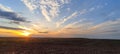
pixel 25 33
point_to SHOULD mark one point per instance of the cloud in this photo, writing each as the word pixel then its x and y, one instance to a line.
pixel 107 27
pixel 10 28
pixel 108 30
pixel 67 18
pixel 84 11
pixel 8 13
pixel 72 25
pixel 91 9
pixel 73 15
pixel 11 16
pixel 49 8
pixel 29 4
pixel 81 28
pixel 4 8
pixel 44 32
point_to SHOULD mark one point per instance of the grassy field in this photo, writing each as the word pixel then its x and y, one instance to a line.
pixel 12 45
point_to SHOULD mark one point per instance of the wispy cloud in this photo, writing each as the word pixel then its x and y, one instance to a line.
pixel 4 8
pixel 73 15
pixel 49 8
pixel 44 32
pixel 71 25
pixel 10 28
pixel 84 11
pixel 106 27
pixel 11 16
pixel 109 29
pixel 67 18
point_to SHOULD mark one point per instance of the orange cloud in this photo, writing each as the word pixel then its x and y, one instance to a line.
pixel 8 32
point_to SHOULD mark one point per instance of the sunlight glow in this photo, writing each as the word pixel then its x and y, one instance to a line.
pixel 25 33
pixel 23 27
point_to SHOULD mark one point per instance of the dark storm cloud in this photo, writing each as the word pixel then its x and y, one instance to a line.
pixel 11 16
pixel 11 28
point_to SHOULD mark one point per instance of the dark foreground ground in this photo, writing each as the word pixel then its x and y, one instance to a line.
pixel 58 46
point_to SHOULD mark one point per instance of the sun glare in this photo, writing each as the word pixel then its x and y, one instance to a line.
pixel 26 33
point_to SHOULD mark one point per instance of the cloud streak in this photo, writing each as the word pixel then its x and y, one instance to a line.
pixel 49 8
pixel 73 15
pixel 109 29
pixel 11 16
pixel 10 28
pixel 4 8
pixel 65 19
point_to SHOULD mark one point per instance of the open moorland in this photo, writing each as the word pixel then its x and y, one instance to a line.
pixel 13 45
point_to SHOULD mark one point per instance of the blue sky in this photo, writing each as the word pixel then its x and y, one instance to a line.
pixel 62 18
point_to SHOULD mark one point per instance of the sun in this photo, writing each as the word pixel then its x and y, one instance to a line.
pixel 25 33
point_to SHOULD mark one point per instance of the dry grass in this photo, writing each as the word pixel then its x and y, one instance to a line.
pixel 58 46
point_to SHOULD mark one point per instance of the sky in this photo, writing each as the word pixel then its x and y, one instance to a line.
pixel 60 18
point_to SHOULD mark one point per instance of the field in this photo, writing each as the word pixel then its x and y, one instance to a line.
pixel 13 45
